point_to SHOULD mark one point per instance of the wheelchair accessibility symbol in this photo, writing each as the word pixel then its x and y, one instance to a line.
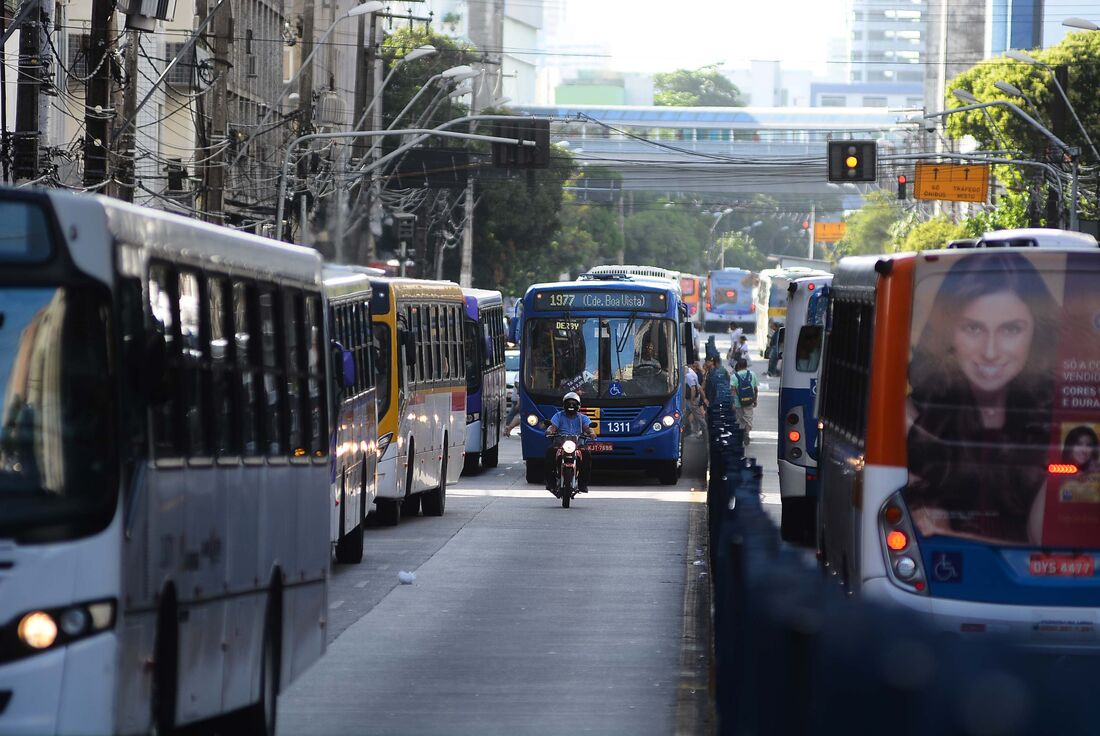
pixel 947 567
pixel 615 389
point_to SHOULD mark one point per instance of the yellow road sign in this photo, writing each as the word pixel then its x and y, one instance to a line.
pixel 952 182
pixel 828 232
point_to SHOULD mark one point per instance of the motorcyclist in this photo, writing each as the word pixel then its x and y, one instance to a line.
pixel 569 420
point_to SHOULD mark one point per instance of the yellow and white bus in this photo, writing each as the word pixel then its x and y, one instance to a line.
pixel 421 387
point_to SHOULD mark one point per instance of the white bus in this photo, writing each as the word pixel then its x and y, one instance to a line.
pixel 770 298
pixel 418 337
pixel 164 465
pixel 354 478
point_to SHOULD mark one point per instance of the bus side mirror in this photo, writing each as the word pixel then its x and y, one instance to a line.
pixel 691 350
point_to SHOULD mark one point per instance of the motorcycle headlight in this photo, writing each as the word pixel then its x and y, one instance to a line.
pixel 569 446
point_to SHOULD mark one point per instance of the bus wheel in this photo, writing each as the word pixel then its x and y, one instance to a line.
pixel 410 505
pixel 667 472
pixel 165 666
pixel 259 718
pixel 490 458
pixel 535 472
pixel 349 548
pixel 435 500
pixel 389 511
pixel 470 463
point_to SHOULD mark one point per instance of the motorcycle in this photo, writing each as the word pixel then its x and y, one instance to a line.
pixel 568 456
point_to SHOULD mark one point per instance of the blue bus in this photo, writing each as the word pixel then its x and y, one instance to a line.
pixel 729 299
pixel 484 336
pixel 807 305
pixel 618 341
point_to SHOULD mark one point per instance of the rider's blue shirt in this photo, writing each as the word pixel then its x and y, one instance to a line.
pixel 575 424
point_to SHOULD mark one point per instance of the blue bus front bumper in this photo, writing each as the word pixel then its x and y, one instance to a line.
pixel 651 446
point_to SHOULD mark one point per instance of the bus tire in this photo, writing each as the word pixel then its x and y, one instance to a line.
pixel 349 548
pixel 258 719
pixel 410 505
pixel 535 472
pixel 490 458
pixel 165 666
pixel 667 473
pixel 434 502
pixel 470 463
pixel 796 523
pixel 389 511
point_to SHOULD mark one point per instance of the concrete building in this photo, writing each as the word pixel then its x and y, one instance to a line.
pixel 878 94
pixel 953 45
pixel 598 87
pixel 1013 24
pixel 887 41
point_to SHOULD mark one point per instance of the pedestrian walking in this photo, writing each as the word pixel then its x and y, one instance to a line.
pixel 746 392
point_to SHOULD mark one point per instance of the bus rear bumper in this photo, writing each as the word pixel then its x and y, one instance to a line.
pixel 473 436
pixel 792 480
pixel 66 691
pixel 1046 628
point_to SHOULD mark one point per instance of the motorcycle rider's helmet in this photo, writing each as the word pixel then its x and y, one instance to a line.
pixel 571 403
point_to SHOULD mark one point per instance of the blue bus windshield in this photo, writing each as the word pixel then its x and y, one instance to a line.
pixel 614 358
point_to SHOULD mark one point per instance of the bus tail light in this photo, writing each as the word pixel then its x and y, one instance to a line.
pixel 794 435
pixel 752 307
pixel 1061 469
pixel 903 562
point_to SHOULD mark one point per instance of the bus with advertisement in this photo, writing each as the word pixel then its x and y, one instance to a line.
pixel 960 465
pixel 484 340
pixel 691 294
pixel 770 298
pixel 728 298
pixel 618 341
pixel 420 346
pixel 164 468
pixel 807 304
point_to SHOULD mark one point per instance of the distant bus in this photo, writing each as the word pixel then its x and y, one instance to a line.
pixel 483 330
pixel 770 298
pixel 729 298
pixel 419 340
pixel 960 459
pixel 348 292
pixel 807 304
pixel 618 342
pixel 691 294
pixel 164 465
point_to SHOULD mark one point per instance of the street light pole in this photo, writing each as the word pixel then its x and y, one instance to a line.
pixel 1021 56
pixel 1066 149
pixel 422 134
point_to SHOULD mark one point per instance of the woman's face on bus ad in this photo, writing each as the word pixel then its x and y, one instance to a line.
pixel 1081 452
pixel 992 340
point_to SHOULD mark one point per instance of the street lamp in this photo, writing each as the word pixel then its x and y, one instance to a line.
pixel 1013 91
pixel 373 6
pixel 966 97
pixel 418 53
pixel 1021 56
pixel 718 218
pixel 1081 23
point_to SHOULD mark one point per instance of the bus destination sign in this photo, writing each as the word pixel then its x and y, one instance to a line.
pixel 584 299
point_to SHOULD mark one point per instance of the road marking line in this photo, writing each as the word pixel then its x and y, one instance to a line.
pixel 335 604
pixel 771 499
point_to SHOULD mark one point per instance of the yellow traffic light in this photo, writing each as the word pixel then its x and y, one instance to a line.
pixel 851 162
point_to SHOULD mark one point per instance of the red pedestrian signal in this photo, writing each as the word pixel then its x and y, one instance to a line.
pixel 903 182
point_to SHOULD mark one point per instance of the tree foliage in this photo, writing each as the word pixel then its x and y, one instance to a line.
pixel 411 76
pixel 741 252
pixel 930 235
pixel 1010 212
pixel 870 229
pixel 704 87
pixel 666 237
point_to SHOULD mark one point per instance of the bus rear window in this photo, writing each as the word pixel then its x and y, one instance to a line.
pixel 24 233
pixel 687 287
pixel 807 354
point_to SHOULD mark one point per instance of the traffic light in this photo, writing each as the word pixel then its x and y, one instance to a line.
pixel 506 155
pixel 903 183
pixel 853 160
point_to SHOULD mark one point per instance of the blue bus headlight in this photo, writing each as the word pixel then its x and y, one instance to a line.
pixel 532 420
pixel 38 630
pixel 657 426
pixel 667 420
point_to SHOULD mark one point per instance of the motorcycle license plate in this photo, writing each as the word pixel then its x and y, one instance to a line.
pixel 598 447
pixel 1075 566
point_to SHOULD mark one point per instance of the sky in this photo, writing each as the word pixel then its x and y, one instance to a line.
pixel 659 35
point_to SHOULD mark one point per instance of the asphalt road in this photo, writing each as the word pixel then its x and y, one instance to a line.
pixel 524 617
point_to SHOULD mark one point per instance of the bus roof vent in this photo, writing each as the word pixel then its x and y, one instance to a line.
pixel 604 277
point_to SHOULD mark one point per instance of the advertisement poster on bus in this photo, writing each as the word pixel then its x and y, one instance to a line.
pixel 1004 403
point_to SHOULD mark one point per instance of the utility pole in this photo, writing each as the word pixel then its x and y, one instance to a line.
pixel 465 273
pixel 127 163
pixel 305 82
pixel 366 84
pixel 813 222
pixel 27 118
pixel 622 225
pixel 98 109
pixel 1059 118
pixel 214 175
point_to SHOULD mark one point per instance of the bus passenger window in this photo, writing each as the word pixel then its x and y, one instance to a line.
pixel 315 368
pixel 244 322
pixel 808 350
pixel 291 333
pixel 273 427
pixel 437 340
pixel 162 305
pixel 222 411
pixel 191 365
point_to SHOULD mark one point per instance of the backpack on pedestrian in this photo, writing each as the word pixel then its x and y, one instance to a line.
pixel 745 393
